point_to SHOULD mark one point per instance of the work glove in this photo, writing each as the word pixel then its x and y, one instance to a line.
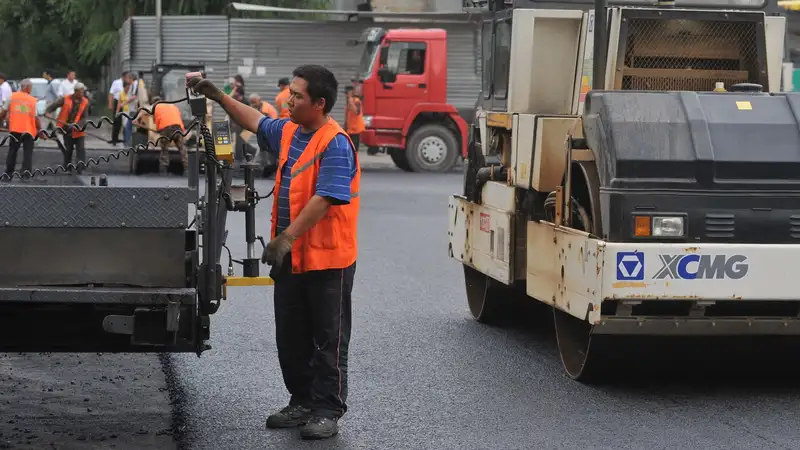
pixel 205 87
pixel 275 252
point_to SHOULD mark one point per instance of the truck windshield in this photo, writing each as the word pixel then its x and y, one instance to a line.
pixel 368 59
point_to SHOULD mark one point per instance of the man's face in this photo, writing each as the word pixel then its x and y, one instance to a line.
pixel 301 108
pixel 255 102
pixel 78 94
pixel 71 76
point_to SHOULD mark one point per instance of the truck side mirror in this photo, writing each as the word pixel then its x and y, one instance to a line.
pixel 386 75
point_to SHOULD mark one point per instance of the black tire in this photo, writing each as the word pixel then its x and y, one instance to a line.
pixel 399 159
pixel 432 148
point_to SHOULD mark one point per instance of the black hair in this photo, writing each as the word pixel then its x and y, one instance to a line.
pixel 348 89
pixel 3 76
pixel 124 72
pixel 284 82
pixel 239 78
pixel 322 84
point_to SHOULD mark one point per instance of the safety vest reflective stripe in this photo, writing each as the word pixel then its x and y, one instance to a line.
pixel 355 122
pixel 66 108
pixel 332 242
pixel 167 115
pixel 22 113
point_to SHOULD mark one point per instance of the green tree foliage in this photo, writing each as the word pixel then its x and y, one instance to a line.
pixel 82 34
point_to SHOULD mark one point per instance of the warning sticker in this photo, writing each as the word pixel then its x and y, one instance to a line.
pixel 486 222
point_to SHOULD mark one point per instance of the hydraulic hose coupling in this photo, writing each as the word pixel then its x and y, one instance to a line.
pixel 197 102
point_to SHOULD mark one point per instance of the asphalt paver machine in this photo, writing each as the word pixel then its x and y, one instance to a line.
pixel 90 267
pixel 639 174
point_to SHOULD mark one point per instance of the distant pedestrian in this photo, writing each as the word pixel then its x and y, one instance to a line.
pixel 282 99
pixel 73 113
pixel 353 116
pixel 113 101
pixel 67 86
pixel 169 124
pixel 23 126
pixel 51 94
pixel 263 106
pixel 5 90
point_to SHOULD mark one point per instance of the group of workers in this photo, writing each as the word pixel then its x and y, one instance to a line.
pixel 353 117
pixel 24 124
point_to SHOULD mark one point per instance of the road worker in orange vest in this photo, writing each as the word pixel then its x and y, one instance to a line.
pixel 72 114
pixel 282 99
pixel 353 116
pixel 23 126
pixel 169 124
pixel 313 247
pixel 263 106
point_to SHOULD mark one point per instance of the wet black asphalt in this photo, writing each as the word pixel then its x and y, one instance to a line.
pixel 424 375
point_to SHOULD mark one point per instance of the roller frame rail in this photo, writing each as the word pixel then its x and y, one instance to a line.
pixel 554 180
pixel 100 268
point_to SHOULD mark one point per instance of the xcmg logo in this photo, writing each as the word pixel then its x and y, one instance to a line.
pixel 704 267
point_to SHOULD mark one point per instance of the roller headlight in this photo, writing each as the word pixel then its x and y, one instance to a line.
pixel 659 226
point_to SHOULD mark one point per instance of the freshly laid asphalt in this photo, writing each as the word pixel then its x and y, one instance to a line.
pixel 423 374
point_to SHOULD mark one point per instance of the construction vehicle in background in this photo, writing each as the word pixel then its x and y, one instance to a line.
pixel 168 84
pixel 404 96
pixel 648 204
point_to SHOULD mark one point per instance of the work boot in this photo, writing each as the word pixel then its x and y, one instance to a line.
pixel 289 417
pixel 320 428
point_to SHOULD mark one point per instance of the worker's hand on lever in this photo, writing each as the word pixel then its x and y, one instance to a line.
pixel 205 87
pixel 275 252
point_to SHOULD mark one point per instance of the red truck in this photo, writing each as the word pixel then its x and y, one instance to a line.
pixel 403 75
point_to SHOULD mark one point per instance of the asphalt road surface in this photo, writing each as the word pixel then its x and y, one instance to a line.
pixel 423 374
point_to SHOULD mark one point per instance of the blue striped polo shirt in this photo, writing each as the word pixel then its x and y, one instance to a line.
pixel 337 167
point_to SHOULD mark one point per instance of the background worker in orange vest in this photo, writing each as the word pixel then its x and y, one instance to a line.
pixel 282 99
pixel 263 106
pixel 313 248
pixel 23 126
pixel 353 116
pixel 169 124
pixel 73 112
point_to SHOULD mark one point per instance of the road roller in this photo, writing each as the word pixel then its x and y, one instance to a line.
pixel 639 174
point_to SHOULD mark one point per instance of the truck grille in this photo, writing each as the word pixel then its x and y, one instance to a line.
pixel 720 225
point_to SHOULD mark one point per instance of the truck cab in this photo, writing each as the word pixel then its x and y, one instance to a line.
pixel 403 73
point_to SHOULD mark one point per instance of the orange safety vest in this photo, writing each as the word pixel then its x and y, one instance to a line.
pixel 22 113
pixel 355 122
pixel 331 243
pixel 282 103
pixel 64 114
pixel 166 115
pixel 268 110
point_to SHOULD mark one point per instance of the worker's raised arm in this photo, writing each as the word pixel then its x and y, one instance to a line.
pixel 54 106
pixel 246 116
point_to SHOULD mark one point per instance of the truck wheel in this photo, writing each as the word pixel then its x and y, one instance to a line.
pixel 399 159
pixel 432 148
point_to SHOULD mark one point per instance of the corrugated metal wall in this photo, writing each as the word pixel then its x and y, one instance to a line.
pixel 263 51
